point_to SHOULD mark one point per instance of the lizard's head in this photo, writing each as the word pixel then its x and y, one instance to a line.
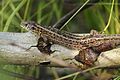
pixel 29 25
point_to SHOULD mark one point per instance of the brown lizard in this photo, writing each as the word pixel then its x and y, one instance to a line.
pixel 89 46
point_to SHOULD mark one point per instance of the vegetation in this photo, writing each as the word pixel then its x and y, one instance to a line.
pixel 104 16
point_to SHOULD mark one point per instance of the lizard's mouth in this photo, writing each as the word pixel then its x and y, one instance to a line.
pixel 24 25
pixel 28 25
pixel 31 26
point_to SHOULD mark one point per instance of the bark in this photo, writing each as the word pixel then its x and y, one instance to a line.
pixel 13 50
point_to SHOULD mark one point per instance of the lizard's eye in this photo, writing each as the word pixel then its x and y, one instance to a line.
pixel 26 24
pixel 33 28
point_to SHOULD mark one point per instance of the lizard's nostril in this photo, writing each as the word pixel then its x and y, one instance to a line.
pixel 24 23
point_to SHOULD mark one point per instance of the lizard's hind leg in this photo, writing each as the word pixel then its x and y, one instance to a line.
pixel 86 56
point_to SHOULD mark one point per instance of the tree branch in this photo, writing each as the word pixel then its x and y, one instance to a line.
pixel 13 50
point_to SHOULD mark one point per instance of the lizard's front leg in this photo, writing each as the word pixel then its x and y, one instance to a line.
pixel 44 45
pixel 86 56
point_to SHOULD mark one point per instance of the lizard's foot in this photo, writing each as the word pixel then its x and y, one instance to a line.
pixel 87 57
pixel 94 32
pixel 30 47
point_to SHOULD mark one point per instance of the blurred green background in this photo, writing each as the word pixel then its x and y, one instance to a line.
pixel 47 13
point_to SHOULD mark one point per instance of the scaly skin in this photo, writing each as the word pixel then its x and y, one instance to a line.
pixel 88 45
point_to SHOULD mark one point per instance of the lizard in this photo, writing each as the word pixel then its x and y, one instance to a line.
pixel 89 47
